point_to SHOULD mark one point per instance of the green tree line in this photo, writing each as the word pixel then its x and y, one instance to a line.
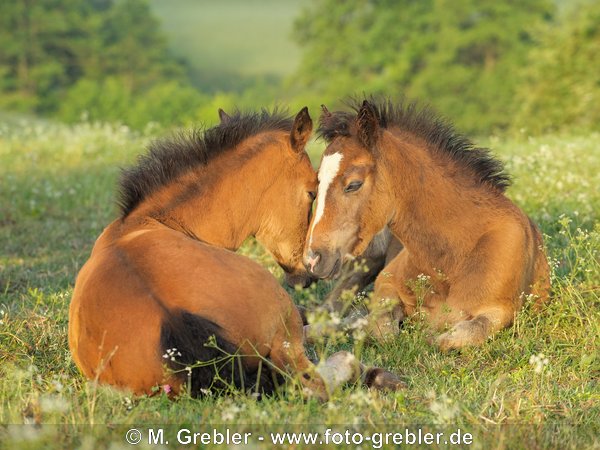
pixel 102 57
pixel 488 65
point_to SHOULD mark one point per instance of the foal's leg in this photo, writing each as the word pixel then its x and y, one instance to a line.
pixel 288 354
pixel 343 368
pixel 486 321
pixel 355 277
pixel 487 297
pixel 392 300
pixel 353 280
pixel 381 251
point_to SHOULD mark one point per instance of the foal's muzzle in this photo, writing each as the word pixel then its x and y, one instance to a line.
pixel 322 264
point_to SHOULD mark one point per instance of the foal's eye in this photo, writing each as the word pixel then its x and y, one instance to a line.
pixel 312 195
pixel 353 186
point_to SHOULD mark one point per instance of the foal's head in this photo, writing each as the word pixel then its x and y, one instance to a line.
pixel 248 176
pixel 287 202
pixel 353 202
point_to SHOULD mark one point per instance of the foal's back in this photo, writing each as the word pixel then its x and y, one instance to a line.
pixel 138 275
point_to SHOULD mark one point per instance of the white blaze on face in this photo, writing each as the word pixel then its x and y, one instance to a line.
pixel 327 172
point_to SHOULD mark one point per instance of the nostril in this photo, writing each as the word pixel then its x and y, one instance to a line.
pixel 312 259
pixel 312 262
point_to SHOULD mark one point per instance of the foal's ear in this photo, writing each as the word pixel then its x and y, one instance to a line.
pixel 301 130
pixel 367 125
pixel 223 116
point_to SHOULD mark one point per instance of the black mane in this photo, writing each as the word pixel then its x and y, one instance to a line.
pixel 426 124
pixel 167 159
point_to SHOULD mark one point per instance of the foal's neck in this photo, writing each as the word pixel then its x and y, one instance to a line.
pixel 437 213
pixel 217 203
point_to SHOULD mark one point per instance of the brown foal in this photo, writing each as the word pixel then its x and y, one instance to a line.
pixel 164 275
pixel 443 198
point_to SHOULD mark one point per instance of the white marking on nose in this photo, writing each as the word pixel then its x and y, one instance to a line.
pixel 327 172
pixel 313 260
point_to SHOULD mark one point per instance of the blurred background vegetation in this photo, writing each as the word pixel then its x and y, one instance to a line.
pixel 490 66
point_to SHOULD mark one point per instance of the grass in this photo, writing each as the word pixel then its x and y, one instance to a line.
pixel 57 190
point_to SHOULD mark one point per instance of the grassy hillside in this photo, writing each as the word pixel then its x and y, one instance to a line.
pixel 229 44
pixel 57 190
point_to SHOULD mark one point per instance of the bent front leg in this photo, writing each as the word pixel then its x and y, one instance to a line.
pixel 475 331
pixel 358 274
pixel 487 297
pixel 392 299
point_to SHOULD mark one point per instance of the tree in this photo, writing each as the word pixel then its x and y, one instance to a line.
pixel 133 47
pixel 561 88
pixel 49 46
pixel 462 56
pixel 39 45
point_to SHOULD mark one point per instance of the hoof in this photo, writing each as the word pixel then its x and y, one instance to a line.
pixel 382 380
pixel 340 368
pixel 464 334
pixel 447 342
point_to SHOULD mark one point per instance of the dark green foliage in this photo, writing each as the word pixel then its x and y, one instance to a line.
pixel 562 80
pixel 133 47
pixel 487 65
pixel 41 44
pixel 106 58
pixel 462 56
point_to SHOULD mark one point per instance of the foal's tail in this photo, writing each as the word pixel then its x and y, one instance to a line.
pixel 193 347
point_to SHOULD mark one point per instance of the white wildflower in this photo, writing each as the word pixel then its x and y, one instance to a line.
pixel 171 353
pixel 538 362
pixel 444 408
pixel 335 318
pixel 358 328
pixel 423 278
pixel 231 411
pixel 54 403
pixel 127 403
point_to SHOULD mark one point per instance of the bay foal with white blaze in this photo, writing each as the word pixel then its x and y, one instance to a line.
pixel 443 198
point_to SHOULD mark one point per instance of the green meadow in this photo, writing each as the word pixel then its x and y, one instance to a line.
pixel 534 385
